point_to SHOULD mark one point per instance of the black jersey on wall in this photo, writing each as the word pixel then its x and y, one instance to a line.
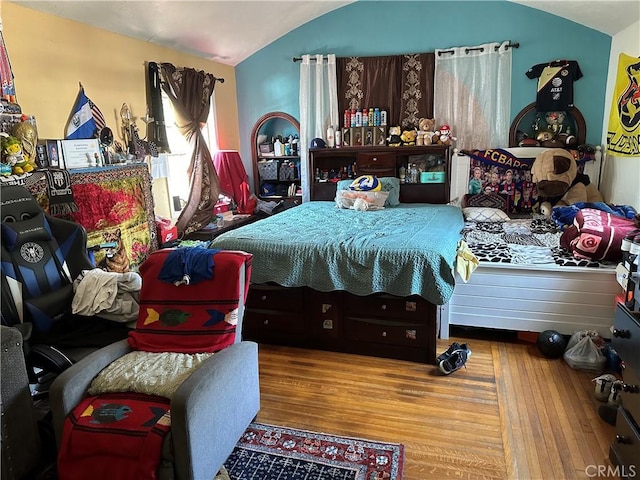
pixel 555 84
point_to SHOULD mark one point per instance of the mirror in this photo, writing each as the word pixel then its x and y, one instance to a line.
pixel 549 129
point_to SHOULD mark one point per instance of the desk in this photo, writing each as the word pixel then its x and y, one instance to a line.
pixel 112 198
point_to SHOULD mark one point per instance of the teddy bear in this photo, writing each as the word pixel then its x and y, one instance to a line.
pixel 426 127
pixel 555 173
pixel 408 137
pixel 394 140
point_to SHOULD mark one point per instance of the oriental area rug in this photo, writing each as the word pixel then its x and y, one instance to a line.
pixel 267 452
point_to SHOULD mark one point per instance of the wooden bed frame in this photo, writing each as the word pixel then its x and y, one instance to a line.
pixel 381 325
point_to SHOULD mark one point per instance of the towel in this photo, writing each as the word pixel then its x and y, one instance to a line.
pixel 466 261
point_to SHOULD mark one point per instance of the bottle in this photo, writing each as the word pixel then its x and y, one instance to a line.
pixel 346 121
pixel 383 118
pixel 365 117
pixel 402 173
pixel 353 117
pixel 277 148
pixel 371 119
pixel 338 136
pixel 330 136
pixel 358 118
pixel 376 117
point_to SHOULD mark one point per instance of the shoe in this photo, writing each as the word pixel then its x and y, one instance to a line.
pixel 603 386
pixel 615 397
pixel 635 245
pixel 455 361
pixel 447 353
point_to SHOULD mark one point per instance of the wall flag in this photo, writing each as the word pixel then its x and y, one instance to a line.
pixel 623 135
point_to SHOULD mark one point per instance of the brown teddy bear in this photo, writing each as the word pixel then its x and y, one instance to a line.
pixel 555 173
pixel 426 127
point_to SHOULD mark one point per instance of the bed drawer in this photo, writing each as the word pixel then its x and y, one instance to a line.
pixel 381 164
pixel 378 330
pixel 260 322
pixel 275 297
pixel 410 308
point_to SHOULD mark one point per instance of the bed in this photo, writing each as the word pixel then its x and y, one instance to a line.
pixel 533 292
pixel 345 280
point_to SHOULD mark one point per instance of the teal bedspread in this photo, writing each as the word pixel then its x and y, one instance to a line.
pixel 405 250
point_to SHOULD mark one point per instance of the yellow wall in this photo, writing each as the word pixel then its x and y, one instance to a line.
pixel 49 55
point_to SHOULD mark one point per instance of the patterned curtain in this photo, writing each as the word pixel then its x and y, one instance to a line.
pixel 190 93
pixel 400 84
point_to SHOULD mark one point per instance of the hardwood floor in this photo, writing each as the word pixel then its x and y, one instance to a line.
pixel 511 413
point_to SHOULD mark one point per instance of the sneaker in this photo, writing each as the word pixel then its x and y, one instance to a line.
pixel 603 386
pixel 455 361
pixel 447 353
pixel 615 397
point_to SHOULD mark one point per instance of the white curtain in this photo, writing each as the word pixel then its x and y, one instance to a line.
pixel 318 107
pixel 472 94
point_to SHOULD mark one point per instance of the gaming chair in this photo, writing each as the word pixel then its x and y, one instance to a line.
pixel 40 257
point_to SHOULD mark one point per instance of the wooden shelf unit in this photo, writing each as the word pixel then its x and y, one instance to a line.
pixel 382 162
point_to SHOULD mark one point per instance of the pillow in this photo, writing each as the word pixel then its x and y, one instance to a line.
pixel 145 372
pixel 361 200
pixel 596 235
pixel 389 184
pixel 35 229
pixel 484 214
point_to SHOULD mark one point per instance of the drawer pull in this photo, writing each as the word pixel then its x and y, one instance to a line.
pixel 266 322
pixel 375 159
pixel 383 307
pixel 623 440
pixel 384 334
pixel 621 333
pixel 263 297
pixel 630 388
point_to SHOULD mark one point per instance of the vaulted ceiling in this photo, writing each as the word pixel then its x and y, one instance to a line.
pixel 230 31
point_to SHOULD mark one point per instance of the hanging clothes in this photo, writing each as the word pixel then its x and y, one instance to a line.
pixel 234 180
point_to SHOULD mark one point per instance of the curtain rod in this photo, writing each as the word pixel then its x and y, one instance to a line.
pixel 466 50
pixel 481 49
pixel 217 79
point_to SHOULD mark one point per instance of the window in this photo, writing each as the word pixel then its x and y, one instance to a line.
pixel 178 159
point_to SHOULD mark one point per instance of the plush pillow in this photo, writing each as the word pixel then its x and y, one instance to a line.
pixel 484 214
pixel 35 229
pixel 361 200
pixel 596 235
pixel 389 184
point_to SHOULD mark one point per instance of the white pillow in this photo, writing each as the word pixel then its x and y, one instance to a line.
pixel 365 200
pixel 484 214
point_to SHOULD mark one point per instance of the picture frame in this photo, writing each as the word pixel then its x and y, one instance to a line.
pixel 42 159
pixel 84 153
pixel 379 136
pixel 367 136
pixel 54 154
pixel 346 137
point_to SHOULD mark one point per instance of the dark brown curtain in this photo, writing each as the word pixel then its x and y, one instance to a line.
pixel 156 130
pixel 400 84
pixel 190 93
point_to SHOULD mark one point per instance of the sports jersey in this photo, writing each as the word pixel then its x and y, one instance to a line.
pixel 555 84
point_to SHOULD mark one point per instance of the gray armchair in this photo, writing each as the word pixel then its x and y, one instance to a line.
pixel 210 410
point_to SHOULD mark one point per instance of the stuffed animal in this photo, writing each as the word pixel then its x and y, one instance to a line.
pixel 13 155
pixel 408 137
pixel 394 140
pixel 443 136
pixel 555 173
pixel 426 127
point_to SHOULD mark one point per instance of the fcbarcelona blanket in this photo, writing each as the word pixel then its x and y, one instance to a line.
pixel 114 436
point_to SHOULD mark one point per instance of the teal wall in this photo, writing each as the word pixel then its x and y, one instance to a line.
pixel 268 80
